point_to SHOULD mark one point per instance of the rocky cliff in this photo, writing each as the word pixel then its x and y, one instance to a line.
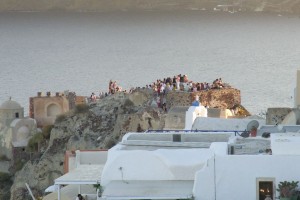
pixel 217 98
pixel 291 6
pixel 97 126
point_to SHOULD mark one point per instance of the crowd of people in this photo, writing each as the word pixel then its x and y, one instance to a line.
pixel 113 87
pixel 162 86
pixel 182 83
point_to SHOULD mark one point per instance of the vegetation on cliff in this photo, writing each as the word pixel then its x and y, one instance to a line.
pixel 5 184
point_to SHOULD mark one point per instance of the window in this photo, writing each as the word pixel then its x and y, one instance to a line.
pixel 265 187
pixel 176 138
pixel 17 115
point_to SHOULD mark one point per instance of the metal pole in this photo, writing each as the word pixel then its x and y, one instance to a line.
pixel 58 193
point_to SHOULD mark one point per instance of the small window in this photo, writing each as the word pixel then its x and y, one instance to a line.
pixel 264 188
pixel 17 115
pixel 176 138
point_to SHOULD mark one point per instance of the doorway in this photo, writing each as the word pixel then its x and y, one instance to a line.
pixel 265 187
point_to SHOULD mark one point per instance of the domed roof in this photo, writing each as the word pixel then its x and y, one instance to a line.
pixel 10 105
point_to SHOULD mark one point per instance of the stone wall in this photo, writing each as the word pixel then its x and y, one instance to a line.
pixel 175 120
pixel 44 109
pixel 178 98
pixel 216 98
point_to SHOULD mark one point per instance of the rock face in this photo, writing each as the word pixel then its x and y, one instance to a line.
pixel 275 116
pixel 176 118
pixel 216 98
pixel 99 126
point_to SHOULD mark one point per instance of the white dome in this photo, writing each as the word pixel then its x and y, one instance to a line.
pixel 10 105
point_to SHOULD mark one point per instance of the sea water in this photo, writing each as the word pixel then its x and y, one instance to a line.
pixel 255 53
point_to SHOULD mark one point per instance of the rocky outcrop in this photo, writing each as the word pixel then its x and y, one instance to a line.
pixel 100 126
pixel 275 116
pixel 216 98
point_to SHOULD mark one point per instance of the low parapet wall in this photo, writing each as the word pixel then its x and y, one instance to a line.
pixel 176 118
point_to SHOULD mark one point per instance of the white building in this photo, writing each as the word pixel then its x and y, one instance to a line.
pixel 83 171
pixel 15 129
pixel 214 164
pixel 203 165
pixel 199 166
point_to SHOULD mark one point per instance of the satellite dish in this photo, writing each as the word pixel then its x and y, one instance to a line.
pixel 252 124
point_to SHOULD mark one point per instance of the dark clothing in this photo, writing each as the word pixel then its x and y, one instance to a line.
pixel 181 79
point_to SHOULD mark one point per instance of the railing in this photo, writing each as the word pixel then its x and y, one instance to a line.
pixel 236 132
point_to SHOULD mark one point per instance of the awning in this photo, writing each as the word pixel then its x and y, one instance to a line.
pixel 69 192
pixel 148 190
pixel 52 188
pixel 83 174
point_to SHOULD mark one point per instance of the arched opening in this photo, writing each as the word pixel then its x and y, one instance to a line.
pixel 53 110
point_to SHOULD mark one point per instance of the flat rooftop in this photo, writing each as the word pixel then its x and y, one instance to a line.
pixel 172 140
pixel 183 140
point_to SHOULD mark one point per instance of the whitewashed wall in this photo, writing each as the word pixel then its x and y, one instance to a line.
pixel 192 113
pixel 204 185
pixel 162 164
pixel 236 175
